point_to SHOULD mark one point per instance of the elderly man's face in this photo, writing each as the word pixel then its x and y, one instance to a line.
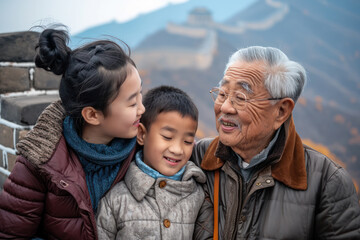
pixel 250 128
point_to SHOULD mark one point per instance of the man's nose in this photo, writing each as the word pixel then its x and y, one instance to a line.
pixel 227 106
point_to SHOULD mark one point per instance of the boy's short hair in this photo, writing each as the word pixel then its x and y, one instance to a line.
pixel 166 99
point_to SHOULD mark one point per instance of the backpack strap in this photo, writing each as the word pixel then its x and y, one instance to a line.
pixel 216 204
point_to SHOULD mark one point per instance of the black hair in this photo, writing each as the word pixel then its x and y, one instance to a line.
pixel 166 99
pixel 91 75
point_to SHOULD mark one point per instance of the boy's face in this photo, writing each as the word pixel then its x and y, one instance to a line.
pixel 168 143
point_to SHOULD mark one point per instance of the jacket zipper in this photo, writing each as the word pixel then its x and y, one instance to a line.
pixel 64 185
pixel 239 209
pixel 247 197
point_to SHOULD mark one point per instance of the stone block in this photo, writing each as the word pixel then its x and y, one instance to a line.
pixel 21 134
pixel 44 80
pixel 6 136
pixel 14 79
pixel 11 161
pixel 25 110
pixel 18 46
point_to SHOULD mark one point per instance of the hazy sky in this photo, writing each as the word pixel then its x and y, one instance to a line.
pixel 21 15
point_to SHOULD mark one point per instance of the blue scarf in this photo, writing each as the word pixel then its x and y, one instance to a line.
pixel 152 172
pixel 101 163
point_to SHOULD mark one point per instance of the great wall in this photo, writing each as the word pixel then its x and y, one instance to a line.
pixel 199 27
pixel 25 91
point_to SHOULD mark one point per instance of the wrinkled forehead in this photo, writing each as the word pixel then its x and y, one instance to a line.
pixel 244 75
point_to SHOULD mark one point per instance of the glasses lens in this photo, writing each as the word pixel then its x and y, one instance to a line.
pixel 239 100
pixel 217 95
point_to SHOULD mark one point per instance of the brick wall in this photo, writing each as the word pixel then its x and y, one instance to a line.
pixel 25 91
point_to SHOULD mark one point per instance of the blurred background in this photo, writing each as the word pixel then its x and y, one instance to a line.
pixel 186 43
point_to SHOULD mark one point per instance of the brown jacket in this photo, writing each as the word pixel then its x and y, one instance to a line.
pixel 298 194
pixel 46 193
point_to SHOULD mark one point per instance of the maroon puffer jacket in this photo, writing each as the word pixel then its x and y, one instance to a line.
pixel 50 200
pixel 46 193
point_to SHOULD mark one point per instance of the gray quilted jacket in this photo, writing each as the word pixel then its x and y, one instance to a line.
pixel 144 208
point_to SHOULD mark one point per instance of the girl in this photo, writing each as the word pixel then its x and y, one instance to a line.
pixel 79 148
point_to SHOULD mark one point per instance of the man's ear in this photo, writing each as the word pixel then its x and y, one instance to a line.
pixel 141 134
pixel 92 116
pixel 284 110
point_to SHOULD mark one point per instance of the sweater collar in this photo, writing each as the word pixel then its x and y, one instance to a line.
pixel 287 157
pixel 40 143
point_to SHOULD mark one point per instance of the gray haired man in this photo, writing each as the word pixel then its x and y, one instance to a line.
pixel 271 186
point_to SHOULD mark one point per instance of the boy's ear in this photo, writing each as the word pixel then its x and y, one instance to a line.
pixel 141 134
pixel 91 115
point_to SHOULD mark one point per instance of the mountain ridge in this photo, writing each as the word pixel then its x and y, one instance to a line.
pixel 134 31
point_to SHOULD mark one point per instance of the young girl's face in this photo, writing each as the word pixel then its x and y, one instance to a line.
pixel 123 115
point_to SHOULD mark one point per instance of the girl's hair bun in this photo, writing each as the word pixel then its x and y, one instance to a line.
pixel 52 51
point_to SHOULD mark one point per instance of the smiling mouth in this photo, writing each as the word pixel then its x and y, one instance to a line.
pixel 228 124
pixel 172 160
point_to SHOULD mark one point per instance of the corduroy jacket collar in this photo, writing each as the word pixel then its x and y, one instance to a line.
pixel 287 157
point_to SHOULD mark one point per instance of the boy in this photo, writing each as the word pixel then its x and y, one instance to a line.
pixel 161 194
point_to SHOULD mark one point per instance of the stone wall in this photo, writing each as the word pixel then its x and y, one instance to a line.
pixel 171 58
pixel 25 91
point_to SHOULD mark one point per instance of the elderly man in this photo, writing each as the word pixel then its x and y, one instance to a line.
pixel 262 182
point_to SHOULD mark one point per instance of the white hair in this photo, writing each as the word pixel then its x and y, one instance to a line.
pixel 283 78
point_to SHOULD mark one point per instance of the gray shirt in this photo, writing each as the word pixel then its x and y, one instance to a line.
pixel 247 169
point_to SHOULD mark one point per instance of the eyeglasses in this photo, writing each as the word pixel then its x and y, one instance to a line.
pixel 238 99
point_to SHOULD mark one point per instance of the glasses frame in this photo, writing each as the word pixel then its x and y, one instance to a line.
pixel 212 92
